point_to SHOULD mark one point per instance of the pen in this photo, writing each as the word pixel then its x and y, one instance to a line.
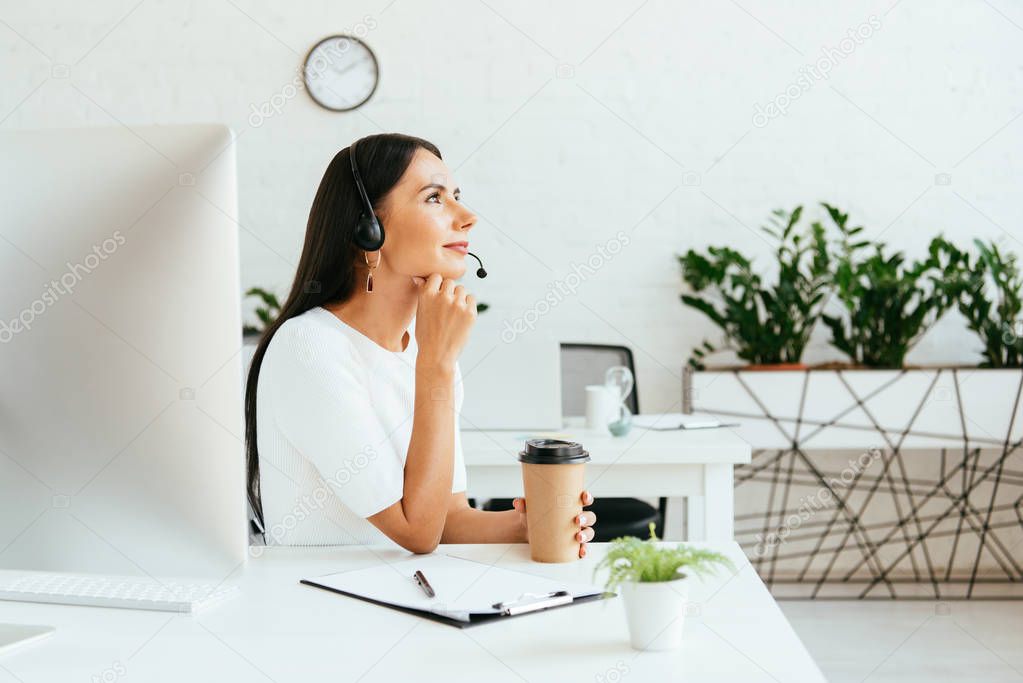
pixel 420 578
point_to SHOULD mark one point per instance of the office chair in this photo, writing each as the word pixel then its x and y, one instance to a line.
pixel 583 364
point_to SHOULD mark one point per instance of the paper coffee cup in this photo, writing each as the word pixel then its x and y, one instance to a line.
pixel 553 476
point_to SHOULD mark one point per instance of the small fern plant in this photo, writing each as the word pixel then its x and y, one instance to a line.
pixel 631 559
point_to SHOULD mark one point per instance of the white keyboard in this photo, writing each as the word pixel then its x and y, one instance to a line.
pixel 112 591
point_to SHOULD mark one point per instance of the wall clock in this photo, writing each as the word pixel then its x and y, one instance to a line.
pixel 341 73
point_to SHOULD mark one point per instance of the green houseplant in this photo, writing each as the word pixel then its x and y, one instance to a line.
pixel 267 311
pixel 889 303
pixel 653 583
pixel 988 292
pixel 764 324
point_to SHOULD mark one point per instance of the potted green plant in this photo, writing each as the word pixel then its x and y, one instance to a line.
pixel 988 292
pixel 267 311
pixel 889 303
pixel 766 325
pixel 653 581
pixel 807 425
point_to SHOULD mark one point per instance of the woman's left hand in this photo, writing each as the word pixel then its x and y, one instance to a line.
pixel 586 520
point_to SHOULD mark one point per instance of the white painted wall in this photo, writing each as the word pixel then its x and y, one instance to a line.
pixel 647 127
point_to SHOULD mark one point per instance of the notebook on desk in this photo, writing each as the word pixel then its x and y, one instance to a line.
pixel 467 593
pixel 672 421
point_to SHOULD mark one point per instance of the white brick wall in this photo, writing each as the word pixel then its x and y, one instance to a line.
pixel 659 104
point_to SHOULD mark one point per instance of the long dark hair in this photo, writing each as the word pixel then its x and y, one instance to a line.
pixel 326 271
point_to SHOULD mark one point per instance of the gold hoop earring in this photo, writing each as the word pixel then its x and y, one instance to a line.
pixel 369 274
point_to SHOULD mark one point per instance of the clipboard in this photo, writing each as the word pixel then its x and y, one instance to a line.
pixel 467 593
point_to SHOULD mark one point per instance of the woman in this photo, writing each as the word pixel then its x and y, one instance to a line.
pixel 351 406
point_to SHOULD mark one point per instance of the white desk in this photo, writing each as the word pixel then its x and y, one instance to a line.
pixel 691 464
pixel 279 630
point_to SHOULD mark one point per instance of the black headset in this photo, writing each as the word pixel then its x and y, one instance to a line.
pixel 369 234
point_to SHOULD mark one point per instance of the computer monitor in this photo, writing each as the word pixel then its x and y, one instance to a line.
pixel 511 382
pixel 121 427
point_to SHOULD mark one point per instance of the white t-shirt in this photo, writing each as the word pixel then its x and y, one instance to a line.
pixel 334 416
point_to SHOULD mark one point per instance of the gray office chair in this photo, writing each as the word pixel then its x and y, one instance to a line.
pixel 583 364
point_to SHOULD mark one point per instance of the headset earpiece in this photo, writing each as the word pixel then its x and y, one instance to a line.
pixel 369 232
pixel 369 235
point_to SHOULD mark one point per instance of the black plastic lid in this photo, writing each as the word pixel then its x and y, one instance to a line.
pixel 553 452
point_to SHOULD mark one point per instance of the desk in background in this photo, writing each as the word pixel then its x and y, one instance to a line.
pixel 692 464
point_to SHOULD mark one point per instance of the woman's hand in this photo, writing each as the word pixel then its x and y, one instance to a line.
pixel 586 520
pixel 444 316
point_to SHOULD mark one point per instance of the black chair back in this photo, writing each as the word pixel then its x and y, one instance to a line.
pixel 584 364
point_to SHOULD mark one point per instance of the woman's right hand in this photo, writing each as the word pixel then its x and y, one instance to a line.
pixel 445 314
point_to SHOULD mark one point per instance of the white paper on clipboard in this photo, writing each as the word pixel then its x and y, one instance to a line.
pixel 463 587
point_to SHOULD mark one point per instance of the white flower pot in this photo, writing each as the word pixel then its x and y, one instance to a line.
pixel 655 612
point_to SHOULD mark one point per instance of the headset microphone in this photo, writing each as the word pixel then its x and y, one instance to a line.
pixel 480 272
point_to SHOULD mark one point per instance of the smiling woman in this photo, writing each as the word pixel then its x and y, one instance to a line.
pixel 353 394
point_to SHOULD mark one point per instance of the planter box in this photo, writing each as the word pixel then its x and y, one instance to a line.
pixel 877 483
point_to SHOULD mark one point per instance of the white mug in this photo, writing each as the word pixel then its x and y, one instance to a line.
pixel 600 404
